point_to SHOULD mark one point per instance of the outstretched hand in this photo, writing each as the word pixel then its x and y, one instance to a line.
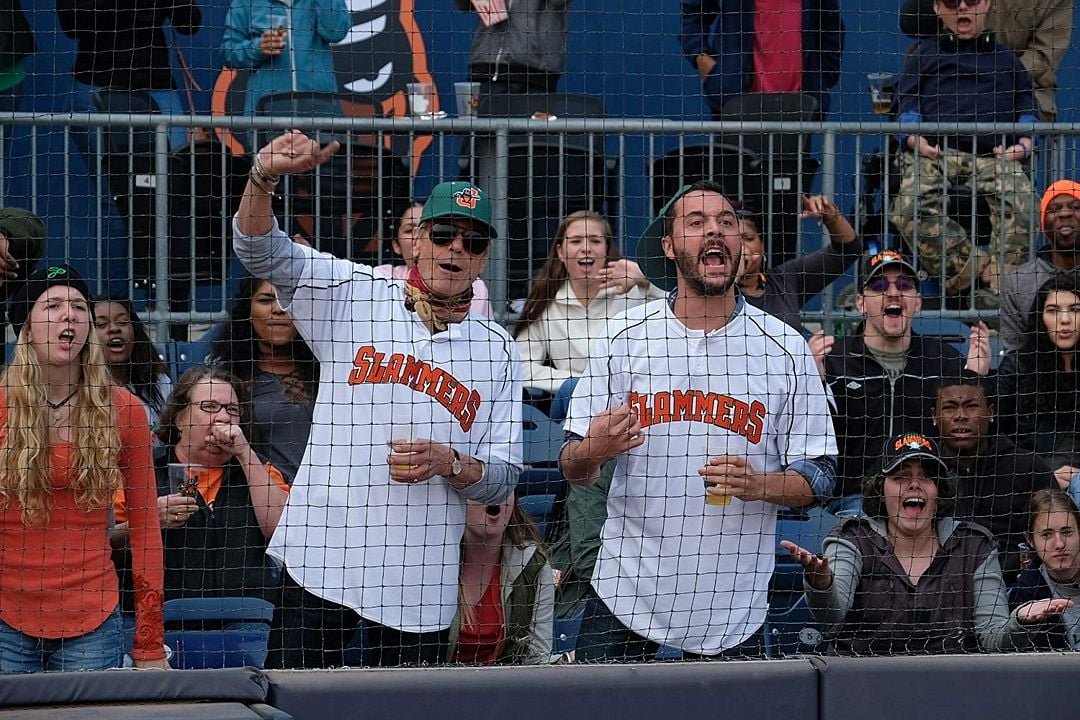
pixel 294 153
pixel 1038 611
pixel 815 567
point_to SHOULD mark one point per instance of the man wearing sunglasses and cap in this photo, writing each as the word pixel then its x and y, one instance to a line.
pixel 714 415
pixel 883 376
pixel 418 410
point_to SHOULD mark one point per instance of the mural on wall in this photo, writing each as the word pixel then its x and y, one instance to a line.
pixel 382 52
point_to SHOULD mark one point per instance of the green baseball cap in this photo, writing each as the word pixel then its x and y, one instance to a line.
pixel 459 199
pixel 650 249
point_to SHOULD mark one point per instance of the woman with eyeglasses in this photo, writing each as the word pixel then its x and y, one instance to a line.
pixel 404 237
pixel 784 290
pixel 584 282
pixel 218 518
pixel 261 346
pixel 1039 385
pixel 69 438
pixel 507 589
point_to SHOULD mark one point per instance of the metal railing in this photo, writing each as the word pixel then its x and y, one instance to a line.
pixel 624 151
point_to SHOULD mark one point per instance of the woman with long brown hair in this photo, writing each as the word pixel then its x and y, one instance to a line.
pixel 584 282
pixel 507 590
pixel 69 438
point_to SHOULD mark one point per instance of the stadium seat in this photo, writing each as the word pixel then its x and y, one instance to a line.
pixel 793 632
pixel 809 533
pixel 550 175
pixel 560 404
pixel 541 484
pixel 566 632
pixel 767 171
pixel 218 632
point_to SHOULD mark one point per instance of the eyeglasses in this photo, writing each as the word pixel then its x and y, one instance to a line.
pixel 213 406
pixel 953 4
pixel 880 284
pixel 474 241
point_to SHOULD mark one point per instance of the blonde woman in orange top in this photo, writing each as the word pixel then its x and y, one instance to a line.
pixel 69 439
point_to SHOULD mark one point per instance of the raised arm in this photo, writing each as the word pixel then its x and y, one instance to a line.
pixel 264 250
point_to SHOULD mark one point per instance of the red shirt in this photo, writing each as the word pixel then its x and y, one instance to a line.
pixel 778 61
pixel 57 580
pixel 481 642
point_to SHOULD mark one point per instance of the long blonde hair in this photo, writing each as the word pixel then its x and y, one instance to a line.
pixel 25 472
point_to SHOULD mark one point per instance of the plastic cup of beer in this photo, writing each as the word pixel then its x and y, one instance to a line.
pixel 881 91
pixel 467 95
pixel 184 479
pixel 401 433
pixel 421 99
pixel 715 499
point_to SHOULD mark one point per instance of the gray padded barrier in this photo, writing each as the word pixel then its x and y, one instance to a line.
pixel 987 687
pixel 208 694
pixel 777 689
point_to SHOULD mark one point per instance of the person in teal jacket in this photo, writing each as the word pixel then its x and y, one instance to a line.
pixel 286 45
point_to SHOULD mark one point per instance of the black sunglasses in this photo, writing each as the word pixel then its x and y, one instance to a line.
pixel 953 4
pixel 881 285
pixel 475 242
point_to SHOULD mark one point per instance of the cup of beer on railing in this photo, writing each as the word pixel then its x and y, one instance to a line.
pixel 882 89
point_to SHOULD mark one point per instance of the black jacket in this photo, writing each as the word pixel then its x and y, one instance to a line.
pixel 1031 585
pixel 221 551
pixel 871 408
pixel 1039 408
pixel 121 44
pixel 995 492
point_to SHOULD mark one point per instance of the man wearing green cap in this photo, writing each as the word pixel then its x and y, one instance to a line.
pixel 714 414
pixel 418 410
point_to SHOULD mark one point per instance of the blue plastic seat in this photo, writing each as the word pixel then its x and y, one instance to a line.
pixel 541 482
pixel 793 632
pixel 560 404
pixel 218 632
pixel 566 632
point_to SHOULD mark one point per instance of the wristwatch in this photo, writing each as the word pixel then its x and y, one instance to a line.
pixel 456 466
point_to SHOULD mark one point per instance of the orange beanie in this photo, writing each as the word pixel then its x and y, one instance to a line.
pixel 1061 187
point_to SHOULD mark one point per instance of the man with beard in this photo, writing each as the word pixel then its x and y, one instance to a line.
pixel 883 376
pixel 1061 226
pixel 994 478
pixel 714 418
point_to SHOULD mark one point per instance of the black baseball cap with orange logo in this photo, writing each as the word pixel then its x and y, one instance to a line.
pixel 875 264
pixel 912 446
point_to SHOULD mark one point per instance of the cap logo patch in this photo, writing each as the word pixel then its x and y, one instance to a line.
pixel 55 272
pixel 888 255
pixel 467 197
pixel 913 442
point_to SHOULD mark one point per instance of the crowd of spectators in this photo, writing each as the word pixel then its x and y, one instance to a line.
pixel 349 452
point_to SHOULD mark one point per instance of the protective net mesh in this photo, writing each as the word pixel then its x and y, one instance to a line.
pixel 528 331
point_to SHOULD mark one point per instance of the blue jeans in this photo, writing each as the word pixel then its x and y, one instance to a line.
pixel 99 649
pixel 604 638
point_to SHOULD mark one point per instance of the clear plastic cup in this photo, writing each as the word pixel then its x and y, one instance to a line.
pixel 467 95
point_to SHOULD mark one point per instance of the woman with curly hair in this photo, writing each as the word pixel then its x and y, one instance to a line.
pixel 69 439
pixel 132 357
pixel 584 282
pixel 1039 385
pixel 909 578
pixel 261 346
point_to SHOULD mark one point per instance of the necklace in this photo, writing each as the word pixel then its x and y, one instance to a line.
pixel 56 407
